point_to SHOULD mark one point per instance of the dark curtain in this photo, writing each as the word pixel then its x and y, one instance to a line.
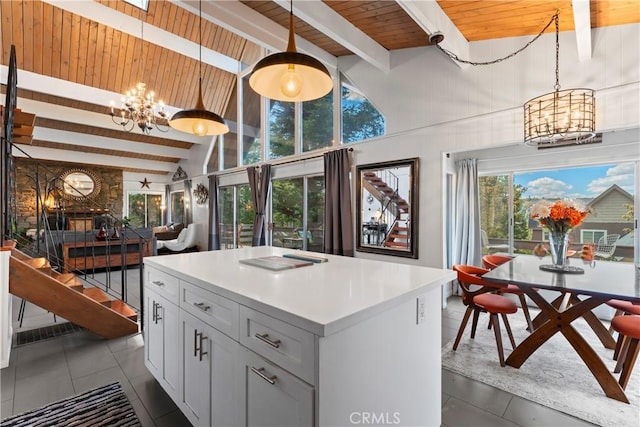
pixel 259 180
pixel 188 203
pixel 167 204
pixel 214 221
pixel 338 217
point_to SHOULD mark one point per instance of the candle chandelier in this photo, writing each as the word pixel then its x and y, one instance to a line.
pixel 562 115
pixel 139 107
pixel 566 116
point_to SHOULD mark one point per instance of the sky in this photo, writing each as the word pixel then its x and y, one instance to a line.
pixel 584 182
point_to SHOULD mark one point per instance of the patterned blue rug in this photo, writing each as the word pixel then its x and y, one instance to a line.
pixel 102 406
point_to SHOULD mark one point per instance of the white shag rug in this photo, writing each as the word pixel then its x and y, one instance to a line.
pixel 554 376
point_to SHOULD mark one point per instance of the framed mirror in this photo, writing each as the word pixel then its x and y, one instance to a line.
pixel 78 184
pixel 387 208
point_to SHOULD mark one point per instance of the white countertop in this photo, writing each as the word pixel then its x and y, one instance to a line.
pixel 322 298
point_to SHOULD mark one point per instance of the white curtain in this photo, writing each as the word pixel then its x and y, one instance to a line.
pixel 466 221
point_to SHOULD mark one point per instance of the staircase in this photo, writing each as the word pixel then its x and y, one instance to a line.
pixel 398 236
pixel 64 294
pixel 383 192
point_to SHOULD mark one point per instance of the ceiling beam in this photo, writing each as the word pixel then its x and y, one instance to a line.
pixel 431 18
pixel 130 25
pixel 246 22
pixel 326 20
pixel 582 22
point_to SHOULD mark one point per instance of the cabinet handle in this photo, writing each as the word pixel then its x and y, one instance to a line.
pixel 158 283
pixel 202 306
pixel 197 344
pixel 265 338
pixel 260 372
pixel 158 317
pixel 153 313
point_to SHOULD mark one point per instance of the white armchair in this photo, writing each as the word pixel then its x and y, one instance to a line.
pixel 185 240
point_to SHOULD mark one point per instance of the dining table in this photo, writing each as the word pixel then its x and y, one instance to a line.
pixel 582 288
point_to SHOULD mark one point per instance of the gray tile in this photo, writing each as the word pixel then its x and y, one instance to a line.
pixel 444 398
pixel 6 410
pixel 38 390
pixel 448 335
pixel 173 419
pixel 143 415
pixel 90 359
pixel 52 363
pixel 132 362
pixel 475 393
pixel 81 339
pixel 128 343
pixel 104 377
pixel 7 382
pixel 527 413
pixel 152 395
pixel 457 413
pixel 38 352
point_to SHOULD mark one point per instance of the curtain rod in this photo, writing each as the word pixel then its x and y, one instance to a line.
pixel 278 162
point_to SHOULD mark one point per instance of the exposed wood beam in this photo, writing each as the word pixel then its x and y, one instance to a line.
pixel 431 18
pixel 100 150
pixel 246 22
pixel 582 22
pixel 130 25
pixel 326 20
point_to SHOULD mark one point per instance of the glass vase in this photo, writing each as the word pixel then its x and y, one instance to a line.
pixel 559 243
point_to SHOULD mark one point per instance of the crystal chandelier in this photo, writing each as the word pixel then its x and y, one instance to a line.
pixel 562 115
pixel 139 108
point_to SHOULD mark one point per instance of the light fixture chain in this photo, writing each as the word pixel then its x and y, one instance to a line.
pixel 504 58
pixel 557 86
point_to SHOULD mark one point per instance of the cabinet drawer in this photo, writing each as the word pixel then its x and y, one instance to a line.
pixel 212 309
pixel 164 284
pixel 286 345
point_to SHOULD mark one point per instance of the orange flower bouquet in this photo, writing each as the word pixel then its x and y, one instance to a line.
pixel 559 216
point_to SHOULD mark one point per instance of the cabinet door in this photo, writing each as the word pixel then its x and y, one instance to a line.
pixel 161 337
pixel 272 396
pixel 153 336
pixel 196 375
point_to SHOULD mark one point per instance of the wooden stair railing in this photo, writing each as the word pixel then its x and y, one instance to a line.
pixel 64 294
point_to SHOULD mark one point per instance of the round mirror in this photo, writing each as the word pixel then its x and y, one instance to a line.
pixel 79 184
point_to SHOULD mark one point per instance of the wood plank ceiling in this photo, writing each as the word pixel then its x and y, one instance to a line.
pixel 51 41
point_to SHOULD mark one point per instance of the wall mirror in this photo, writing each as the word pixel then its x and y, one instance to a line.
pixel 387 208
pixel 78 184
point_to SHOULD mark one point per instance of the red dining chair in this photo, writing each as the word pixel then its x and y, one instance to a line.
pixel 482 300
pixel 629 329
pixel 492 261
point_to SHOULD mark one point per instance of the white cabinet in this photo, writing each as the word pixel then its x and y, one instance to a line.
pixel 161 332
pixel 209 378
pixel 272 396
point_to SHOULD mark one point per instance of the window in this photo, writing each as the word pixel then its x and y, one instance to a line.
pixel 141 4
pixel 177 207
pixel 236 216
pixel 145 209
pixel 317 123
pixel 606 190
pixel 360 118
pixel 281 129
pixel 297 213
pixel 251 129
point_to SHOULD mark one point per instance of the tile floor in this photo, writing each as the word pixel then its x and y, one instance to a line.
pixel 50 370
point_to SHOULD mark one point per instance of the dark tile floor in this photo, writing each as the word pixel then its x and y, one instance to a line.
pixel 49 370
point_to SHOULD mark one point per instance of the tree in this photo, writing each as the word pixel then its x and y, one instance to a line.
pixel 494 208
pixel 360 119
pixel 281 129
pixel 317 123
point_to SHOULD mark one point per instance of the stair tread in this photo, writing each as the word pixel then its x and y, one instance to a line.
pixel 38 263
pixel 97 295
pixel 122 308
pixel 70 280
pixel 397 244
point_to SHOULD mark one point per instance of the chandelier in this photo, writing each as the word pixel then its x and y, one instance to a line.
pixel 139 108
pixel 562 115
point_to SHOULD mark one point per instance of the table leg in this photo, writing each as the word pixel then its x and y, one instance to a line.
pixel 599 329
pixel 560 321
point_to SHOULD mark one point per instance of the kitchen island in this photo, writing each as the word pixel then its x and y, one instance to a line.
pixel 348 341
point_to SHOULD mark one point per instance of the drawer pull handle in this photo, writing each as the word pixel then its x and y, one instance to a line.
pixel 202 306
pixel 260 372
pixel 158 316
pixel 154 313
pixel 265 338
pixel 158 283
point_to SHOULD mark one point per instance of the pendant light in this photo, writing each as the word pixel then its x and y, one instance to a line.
pixel 290 76
pixel 199 121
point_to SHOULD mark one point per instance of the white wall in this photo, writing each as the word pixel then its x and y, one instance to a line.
pixel 433 107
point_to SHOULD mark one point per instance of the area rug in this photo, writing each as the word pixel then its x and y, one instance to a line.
pixel 554 376
pixel 103 406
